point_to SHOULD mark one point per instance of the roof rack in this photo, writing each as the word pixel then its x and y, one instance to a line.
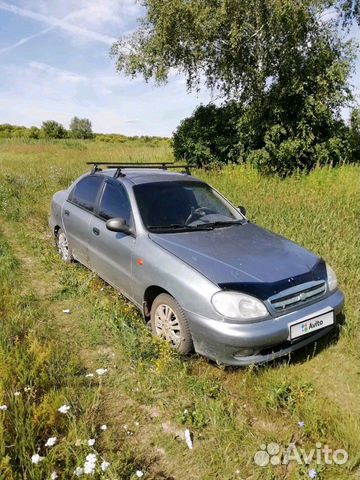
pixel 121 165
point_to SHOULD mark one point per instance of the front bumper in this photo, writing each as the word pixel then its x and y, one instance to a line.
pixel 268 339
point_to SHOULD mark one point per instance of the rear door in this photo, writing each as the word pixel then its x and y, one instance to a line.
pixel 77 213
pixel 110 253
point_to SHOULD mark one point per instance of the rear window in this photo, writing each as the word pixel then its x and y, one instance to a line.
pixel 85 192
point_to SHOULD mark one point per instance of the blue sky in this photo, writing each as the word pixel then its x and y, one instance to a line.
pixel 55 63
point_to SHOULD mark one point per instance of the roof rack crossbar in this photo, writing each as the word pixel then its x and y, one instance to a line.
pixel 120 165
pixel 130 163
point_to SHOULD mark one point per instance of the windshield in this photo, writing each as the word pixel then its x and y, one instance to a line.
pixel 183 206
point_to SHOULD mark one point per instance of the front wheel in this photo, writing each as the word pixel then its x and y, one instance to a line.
pixel 62 245
pixel 168 321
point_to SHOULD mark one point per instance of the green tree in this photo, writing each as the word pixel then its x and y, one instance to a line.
pixel 355 134
pixel 280 60
pixel 237 47
pixel 209 136
pixel 52 129
pixel 33 132
pixel 81 128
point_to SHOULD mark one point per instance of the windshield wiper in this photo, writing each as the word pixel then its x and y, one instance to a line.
pixel 225 223
pixel 175 227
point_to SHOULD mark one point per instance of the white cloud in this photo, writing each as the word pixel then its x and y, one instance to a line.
pixel 97 15
pixel 57 22
pixel 58 73
pixel 24 40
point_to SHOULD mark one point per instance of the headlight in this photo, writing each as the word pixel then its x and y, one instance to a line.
pixel 331 278
pixel 238 305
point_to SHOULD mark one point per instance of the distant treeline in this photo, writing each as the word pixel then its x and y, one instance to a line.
pixel 80 128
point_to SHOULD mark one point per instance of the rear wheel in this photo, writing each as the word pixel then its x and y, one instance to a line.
pixel 63 246
pixel 168 321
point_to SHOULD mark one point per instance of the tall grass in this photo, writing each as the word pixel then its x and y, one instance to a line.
pixel 151 395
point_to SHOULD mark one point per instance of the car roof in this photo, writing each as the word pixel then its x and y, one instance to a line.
pixel 143 175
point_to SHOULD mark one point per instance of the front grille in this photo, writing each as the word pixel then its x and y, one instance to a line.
pixel 297 296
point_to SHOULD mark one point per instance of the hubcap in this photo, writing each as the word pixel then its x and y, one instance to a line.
pixel 167 324
pixel 63 246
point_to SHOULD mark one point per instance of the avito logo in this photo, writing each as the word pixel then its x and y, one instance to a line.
pixel 308 326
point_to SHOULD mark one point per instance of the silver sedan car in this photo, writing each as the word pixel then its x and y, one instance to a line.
pixel 203 276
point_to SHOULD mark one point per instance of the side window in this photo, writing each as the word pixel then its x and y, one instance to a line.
pixel 85 192
pixel 115 203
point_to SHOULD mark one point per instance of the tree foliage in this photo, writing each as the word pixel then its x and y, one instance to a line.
pixel 81 128
pixel 282 61
pixel 237 47
pixel 209 136
pixel 355 133
pixel 52 129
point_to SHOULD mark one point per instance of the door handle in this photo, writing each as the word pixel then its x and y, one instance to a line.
pixel 67 212
pixel 96 231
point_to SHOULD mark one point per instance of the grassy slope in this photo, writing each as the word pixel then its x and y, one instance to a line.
pixel 231 412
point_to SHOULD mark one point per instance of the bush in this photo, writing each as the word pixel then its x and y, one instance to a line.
pixel 209 136
pixel 52 129
pixel 276 141
pixel 355 134
pixel 81 128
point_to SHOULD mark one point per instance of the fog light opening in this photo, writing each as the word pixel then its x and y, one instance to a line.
pixel 244 352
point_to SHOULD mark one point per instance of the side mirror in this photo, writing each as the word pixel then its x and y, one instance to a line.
pixel 242 210
pixel 118 225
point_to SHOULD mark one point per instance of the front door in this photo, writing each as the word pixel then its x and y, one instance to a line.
pixel 110 253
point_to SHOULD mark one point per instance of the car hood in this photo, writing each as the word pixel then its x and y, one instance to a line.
pixel 244 257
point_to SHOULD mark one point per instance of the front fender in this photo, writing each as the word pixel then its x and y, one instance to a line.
pixel 155 266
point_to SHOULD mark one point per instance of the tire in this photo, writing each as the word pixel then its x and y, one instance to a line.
pixel 62 246
pixel 168 321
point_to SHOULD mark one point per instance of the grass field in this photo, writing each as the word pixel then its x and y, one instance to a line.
pixel 149 395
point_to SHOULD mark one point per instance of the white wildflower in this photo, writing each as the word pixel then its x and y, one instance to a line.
pixel 301 424
pixel 103 428
pixel 67 310
pixel 91 442
pixel 101 371
pixel 36 458
pixel 188 439
pixel 27 389
pixel 312 473
pixel 16 394
pixel 64 409
pixel 136 424
pixel 53 476
pixel 90 464
pixel 91 458
pixel 50 442
pixel 78 471
pixel 89 468
pixel 104 466
pixel 89 375
pixel 139 473
pixel 3 408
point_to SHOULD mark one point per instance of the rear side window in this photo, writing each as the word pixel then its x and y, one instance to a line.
pixel 115 203
pixel 85 192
